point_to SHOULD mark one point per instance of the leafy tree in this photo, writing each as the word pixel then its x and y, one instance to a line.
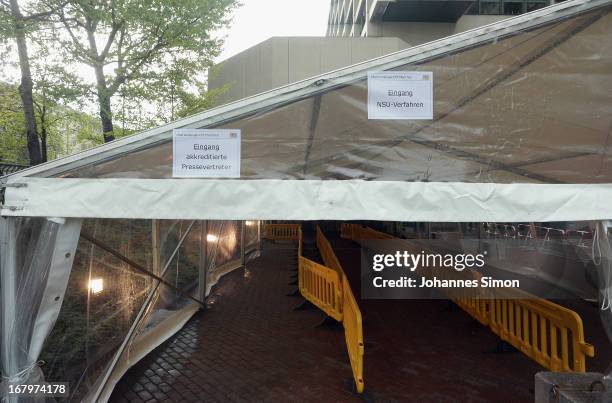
pixel 12 126
pixel 192 103
pixel 134 46
pixel 16 24
pixel 55 92
pixel 63 130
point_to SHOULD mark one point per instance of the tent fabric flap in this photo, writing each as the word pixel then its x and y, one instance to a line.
pixel 308 200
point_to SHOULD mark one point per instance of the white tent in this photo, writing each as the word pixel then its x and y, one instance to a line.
pixel 520 132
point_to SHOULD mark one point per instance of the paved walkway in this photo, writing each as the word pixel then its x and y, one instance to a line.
pixel 442 354
pixel 250 346
pixel 436 351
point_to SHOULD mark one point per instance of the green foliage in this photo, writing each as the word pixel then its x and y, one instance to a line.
pixel 13 139
pixel 155 52
pixel 68 130
pixel 153 55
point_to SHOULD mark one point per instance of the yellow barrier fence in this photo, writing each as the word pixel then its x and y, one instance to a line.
pixel 321 286
pixel 548 333
pixel 299 242
pixel 345 230
pixel 281 232
pixel 353 329
pixel 479 309
pixel 327 287
pixel 327 253
pixel 353 333
pixel 358 232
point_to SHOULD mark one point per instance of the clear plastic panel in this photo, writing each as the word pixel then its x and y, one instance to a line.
pixel 182 272
pixel 251 234
pixel 532 106
pixel 25 273
pixel 106 295
pixel 223 241
pixel 103 298
pixel 170 234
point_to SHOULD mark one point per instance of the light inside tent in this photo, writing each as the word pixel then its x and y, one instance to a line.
pixel 249 223
pixel 211 238
pixel 96 285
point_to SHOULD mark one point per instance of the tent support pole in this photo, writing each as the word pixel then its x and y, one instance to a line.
pixel 242 246
pixel 203 272
pixel 156 246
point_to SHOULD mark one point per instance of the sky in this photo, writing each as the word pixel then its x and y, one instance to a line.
pixel 254 22
pixel 258 20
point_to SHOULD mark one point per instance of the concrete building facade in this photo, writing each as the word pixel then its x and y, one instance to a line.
pixel 358 30
pixel 283 60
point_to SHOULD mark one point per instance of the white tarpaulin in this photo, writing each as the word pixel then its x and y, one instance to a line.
pixel 310 200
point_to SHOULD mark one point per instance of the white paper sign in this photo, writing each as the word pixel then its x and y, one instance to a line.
pixel 200 153
pixel 400 95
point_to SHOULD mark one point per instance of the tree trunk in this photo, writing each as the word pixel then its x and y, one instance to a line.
pixel 43 130
pixel 104 101
pixel 26 86
pixel 43 142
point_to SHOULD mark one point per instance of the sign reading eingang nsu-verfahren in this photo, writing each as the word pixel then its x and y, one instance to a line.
pixel 400 95
pixel 206 153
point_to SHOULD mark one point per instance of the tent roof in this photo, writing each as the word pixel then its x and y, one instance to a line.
pixel 466 67
pixel 521 127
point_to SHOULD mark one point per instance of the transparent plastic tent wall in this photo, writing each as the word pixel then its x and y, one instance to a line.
pixel 83 313
pixel 521 132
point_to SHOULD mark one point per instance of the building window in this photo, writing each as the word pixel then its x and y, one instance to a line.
pixel 490 7
pixel 513 7
pixel 505 7
pixel 534 5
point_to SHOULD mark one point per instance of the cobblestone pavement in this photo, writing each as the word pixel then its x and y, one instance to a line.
pixel 437 350
pixel 250 346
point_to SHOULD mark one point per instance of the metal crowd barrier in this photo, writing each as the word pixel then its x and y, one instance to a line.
pixel 548 333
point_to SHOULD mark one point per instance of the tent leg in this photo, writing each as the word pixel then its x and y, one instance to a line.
pixel 202 280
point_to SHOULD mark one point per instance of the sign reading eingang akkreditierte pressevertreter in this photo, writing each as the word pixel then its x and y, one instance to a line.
pixel 206 153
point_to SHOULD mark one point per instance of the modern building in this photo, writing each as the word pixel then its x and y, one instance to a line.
pixel 419 21
pixel 358 30
pixel 281 60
